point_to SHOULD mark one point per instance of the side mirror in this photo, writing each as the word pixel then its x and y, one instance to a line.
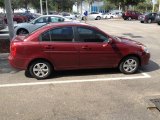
pixel 110 40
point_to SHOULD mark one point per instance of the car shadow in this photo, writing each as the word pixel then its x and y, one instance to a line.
pixel 5 67
pixel 152 66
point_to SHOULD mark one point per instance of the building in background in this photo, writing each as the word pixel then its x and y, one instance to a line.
pixel 94 7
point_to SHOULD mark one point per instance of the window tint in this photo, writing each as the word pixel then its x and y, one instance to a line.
pixel 62 34
pixel 45 36
pixel 89 35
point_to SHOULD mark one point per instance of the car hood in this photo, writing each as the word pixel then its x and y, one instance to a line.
pixel 128 41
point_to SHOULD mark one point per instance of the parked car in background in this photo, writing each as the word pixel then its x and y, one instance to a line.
pixel 129 15
pixel 70 46
pixel 158 18
pixel 68 15
pixel 26 19
pixel 95 16
pixel 26 28
pixel 147 18
pixel 16 19
pixel 110 16
pixel 2 23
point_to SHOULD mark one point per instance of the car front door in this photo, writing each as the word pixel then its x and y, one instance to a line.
pixel 95 49
pixel 59 43
pixel 39 22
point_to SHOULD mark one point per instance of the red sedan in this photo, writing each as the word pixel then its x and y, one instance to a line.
pixel 66 46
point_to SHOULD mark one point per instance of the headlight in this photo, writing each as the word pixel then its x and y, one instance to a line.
pixel 15 27
pixel 145 49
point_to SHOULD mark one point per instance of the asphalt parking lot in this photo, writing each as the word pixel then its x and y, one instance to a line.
pixel 103 94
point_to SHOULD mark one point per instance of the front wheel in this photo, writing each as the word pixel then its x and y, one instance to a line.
pixel 40 69
pixel 98 18
pixel 129 65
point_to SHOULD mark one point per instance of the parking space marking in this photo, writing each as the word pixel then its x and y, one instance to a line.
pixel 144 75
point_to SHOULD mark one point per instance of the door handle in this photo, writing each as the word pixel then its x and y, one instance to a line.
pixel 48 47
pixel 86 48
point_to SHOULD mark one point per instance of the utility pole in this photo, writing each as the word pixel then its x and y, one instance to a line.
pixel 47 7
pixel 41 7
pixel 9 16
pixel 159 5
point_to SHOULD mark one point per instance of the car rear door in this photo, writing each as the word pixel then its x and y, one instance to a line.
pixel 59 44
pixel 95 49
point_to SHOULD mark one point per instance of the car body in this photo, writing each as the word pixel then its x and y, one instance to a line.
pixel 2 23
pixel 157 19
pixel 129 15
pixel 26 28
pixel 147 18
pixel 70 46
pixel 94 16
pixel 26 19
pixel 16 19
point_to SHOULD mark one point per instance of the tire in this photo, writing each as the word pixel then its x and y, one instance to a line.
pixel 98 18
pixel 142 21
pixel 22 32
pixel 149 21
pixel 129 65
pixel 158 23
pixel 129 18
pixel 40 69
pixel 111 17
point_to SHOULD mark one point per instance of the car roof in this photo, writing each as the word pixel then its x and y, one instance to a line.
pixel 60 24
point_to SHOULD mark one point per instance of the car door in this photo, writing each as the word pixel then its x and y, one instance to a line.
pixel 95 49
pixel 59 44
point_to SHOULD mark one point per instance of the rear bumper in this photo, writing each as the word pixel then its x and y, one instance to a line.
pixel 18 63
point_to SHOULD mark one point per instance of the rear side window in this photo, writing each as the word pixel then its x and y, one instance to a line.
pixel 64 34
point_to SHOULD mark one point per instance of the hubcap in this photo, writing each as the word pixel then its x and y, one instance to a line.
pixel 40 70
pixel 130 65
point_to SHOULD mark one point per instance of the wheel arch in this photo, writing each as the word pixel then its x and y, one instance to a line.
pixel 21 29
pixel 130 55
pixel 39 59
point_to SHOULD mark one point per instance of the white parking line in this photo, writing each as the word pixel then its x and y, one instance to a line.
pixel 144 75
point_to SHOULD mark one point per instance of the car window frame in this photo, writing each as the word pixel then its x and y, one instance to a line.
pixel 73 40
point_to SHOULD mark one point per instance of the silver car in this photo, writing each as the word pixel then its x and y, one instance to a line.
pixel 26 28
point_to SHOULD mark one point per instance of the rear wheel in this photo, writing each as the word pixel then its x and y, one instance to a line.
pixel 129 65
pixel 40 69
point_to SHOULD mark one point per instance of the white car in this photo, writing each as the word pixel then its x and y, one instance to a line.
pixel 26 28
pixel 68 15
pixel 95 16
pixel 110 16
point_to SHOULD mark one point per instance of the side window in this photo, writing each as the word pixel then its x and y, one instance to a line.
pixel 45 36
pixel 64 34
pixel 89 35
pixel 56 19
pixel 42 20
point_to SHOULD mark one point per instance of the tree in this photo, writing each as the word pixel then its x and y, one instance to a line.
pixel 125 3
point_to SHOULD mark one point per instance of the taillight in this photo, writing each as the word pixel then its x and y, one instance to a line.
pixel 13 50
